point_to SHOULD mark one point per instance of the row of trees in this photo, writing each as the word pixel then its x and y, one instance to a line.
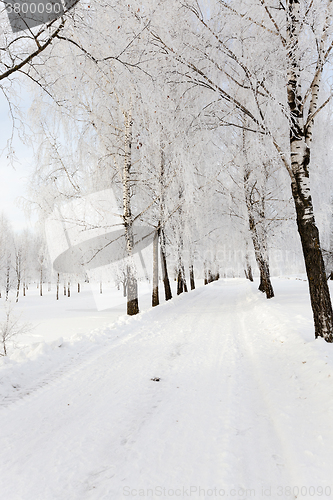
pixel 23 259
pixel 199 116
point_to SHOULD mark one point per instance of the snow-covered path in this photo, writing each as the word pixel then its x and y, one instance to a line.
pixel 243 409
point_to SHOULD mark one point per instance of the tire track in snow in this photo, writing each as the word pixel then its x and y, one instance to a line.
pixel 193 417
pixel 202 392
pixel 282 392
pixel 273 461
pixel 253 445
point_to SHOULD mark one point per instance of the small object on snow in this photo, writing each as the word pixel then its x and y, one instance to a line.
pixel 155 379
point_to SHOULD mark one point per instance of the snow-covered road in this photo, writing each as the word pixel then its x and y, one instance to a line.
pixel 243 409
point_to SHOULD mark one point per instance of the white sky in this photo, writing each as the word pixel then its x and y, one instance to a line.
pixel 13 182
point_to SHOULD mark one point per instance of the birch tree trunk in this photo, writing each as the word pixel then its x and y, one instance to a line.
pixel 155 297
pixel 18 288
pixel 58 283
pixel 41 281
pixel 192 281
pixel 7 278
pixel 165 274
pixel 260 251
pixel 132 285
pixel 256 213
pixel 18 269
pixel 180 269
pixel 180 282
pixel 248 270
pixel 184 280
pixel 181 279
pixel 300 142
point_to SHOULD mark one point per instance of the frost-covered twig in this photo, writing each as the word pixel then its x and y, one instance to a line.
pixel 10 327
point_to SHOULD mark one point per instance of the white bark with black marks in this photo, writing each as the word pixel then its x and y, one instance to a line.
pixel 300 143
pixel 155 296
pixel 132 286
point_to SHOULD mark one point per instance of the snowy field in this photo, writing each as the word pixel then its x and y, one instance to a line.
pixel 243 407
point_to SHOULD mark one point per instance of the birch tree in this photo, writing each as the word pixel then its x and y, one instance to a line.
pixel 131 280
pixel 255 204
pixel 97 108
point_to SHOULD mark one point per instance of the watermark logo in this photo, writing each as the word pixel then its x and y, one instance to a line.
pixel 86 237
pixel 89 233
pixel 26 14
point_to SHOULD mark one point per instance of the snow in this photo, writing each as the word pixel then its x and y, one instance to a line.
pixel 243 407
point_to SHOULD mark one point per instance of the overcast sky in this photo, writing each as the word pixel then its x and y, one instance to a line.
pixel 13 182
